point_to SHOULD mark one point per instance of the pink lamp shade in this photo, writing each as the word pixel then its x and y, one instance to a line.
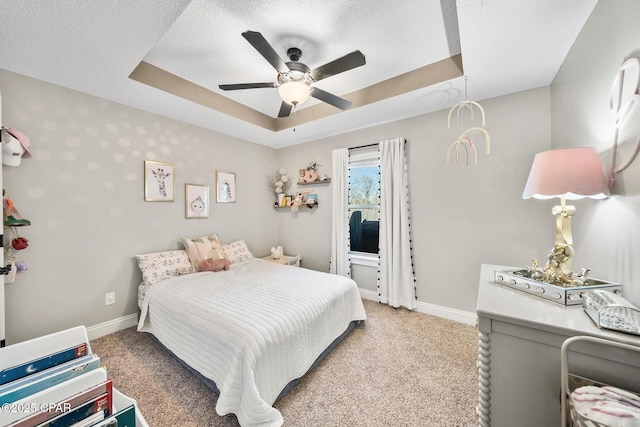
pixel 573 172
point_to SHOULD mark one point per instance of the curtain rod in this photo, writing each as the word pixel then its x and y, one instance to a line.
pixel 368 145
pixel 363 146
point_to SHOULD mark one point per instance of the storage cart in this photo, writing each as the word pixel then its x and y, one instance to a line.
pixel 571 417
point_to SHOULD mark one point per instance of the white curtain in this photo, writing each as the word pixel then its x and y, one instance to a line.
pixel 340 263
pixel 396 281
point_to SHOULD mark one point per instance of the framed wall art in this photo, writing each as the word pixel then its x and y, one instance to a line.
pixel 159 181
pixel 225 187
pixel 196 201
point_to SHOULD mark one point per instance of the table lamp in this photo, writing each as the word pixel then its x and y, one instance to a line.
pixel 569 174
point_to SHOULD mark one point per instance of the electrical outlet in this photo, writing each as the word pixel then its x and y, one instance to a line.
pixel 109 298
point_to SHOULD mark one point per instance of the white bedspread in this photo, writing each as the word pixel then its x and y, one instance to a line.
pixel 251 329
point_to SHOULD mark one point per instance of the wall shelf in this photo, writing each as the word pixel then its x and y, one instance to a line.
pixel 303 206
pixel 325 181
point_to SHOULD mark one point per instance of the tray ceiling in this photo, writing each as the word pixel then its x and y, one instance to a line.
pixel 169 56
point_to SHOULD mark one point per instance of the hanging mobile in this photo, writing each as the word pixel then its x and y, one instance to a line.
pixel 465 139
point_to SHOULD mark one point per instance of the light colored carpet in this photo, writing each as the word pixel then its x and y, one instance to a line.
pixel 399 368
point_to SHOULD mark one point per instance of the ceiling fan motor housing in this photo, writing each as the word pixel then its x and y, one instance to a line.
pixel 298 72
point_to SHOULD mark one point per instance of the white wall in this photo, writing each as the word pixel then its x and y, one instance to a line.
pixel 83 192
pixel 462 216
pixel 606 233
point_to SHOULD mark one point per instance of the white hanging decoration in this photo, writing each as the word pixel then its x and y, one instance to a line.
pixel 469 147
pixel 622 98
pixel 466 138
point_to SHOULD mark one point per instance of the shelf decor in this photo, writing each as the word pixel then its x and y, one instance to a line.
pixel 279 184
pixel 310 174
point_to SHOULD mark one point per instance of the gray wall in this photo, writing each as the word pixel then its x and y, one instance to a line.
pixel 83 192
pixel 606 233
pixel 465 216
pixel 462 216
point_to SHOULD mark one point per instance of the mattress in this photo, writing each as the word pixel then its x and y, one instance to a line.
pixel 252 329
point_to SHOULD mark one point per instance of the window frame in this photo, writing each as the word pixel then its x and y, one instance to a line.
pixel 364 157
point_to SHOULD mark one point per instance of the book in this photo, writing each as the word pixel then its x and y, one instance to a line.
pixel 42 363
pixel 48 378
pixel 123 418
pixel 97 398
pixel 62 384
pixel 42 347
pixel 91 420
pixel 97 405
pixel 58 398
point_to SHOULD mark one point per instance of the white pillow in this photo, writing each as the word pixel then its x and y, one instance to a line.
pixel 158 266
pixel 237 251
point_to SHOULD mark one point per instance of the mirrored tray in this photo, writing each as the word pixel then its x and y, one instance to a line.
pixel 517 279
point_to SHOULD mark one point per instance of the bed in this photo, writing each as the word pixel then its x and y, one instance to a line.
pixel 251 330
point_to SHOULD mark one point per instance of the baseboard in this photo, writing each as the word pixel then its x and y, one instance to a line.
pixel 432 309
pixel 366 294
pixel 111 326
pixel 447 313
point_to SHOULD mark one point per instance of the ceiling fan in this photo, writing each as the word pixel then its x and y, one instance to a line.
pixel 295 78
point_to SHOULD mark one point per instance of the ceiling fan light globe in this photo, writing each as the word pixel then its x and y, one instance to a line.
pixel 294 93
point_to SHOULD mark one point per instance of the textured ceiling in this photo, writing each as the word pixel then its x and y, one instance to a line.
pixel 504 46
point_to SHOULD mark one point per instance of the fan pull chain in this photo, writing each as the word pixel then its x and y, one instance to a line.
pixel 295 116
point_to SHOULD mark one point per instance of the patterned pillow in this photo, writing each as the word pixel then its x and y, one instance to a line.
pixel 203 248
pixel 237 251
pixel 158 266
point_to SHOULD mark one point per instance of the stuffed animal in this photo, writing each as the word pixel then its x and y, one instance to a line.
pixel 277 252
pixel 311 203
pixel 215 265
pixel 295 205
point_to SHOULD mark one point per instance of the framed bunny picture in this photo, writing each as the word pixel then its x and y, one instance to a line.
pixel 196 201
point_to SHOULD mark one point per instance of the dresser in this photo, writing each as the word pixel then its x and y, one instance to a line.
pixel 519 342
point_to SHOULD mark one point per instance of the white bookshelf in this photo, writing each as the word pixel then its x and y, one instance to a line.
pixel 50 376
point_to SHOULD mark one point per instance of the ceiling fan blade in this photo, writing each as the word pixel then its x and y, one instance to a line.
pixel 330 98
pixel 285 109
pixel 264 48
pixel 246 86
pixel 340 65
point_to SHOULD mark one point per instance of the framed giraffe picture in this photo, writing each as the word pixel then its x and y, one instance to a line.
pixel 225 187
pixel 159 181
pixel 196 201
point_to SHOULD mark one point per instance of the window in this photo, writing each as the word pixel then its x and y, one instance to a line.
pixel 364 202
